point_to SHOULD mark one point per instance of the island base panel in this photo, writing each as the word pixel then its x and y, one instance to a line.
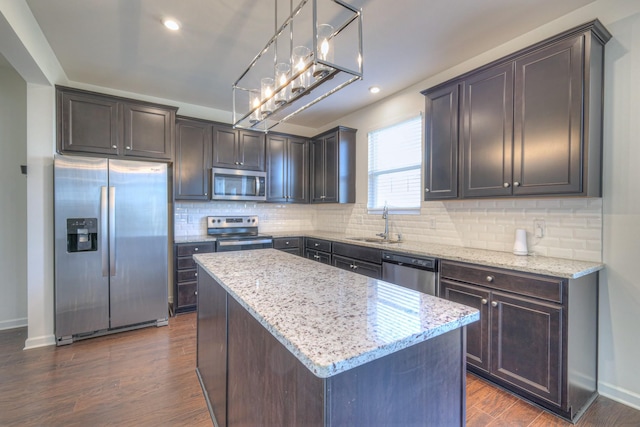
pixel 423 385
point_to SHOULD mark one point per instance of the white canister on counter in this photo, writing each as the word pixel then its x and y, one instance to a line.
pixel 520 246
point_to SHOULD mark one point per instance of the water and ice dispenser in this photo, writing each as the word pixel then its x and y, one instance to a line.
pixel 82 234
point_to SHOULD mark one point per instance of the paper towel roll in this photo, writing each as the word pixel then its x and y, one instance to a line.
pixel 520 246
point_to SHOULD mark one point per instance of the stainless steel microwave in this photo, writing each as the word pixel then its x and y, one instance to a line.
pixel 236 184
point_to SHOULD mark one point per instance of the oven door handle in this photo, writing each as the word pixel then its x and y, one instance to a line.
pixel 244 242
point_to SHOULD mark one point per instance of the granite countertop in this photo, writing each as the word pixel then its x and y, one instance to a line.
pixel 194 238
pixel 556 267
pixel 330 319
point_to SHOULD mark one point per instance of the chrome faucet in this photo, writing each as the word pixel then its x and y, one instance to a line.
pixel 385 216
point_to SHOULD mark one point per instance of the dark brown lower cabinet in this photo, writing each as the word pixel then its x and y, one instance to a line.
pixel 185 292
pixel 292 245
pixel 537 335
pixel 249 378
pixel 361 267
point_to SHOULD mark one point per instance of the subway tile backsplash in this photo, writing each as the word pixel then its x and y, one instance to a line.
pixel 573 227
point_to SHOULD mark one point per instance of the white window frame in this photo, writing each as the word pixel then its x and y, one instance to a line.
pixel 396 209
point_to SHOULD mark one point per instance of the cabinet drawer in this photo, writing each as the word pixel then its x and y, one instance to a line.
pixel 358 252
pixel 322 257
pixel 286 242
pixel 548 288
pixel 185 249
pixel 185 263
pixel 318 244
pixel 187 275
pixel 187 294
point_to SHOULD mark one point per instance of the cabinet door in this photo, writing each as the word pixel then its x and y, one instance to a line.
pixel 441 144
pixel 526 344
pixel 298 170
pixel 191 169
pixel 331 168
pixel 225 144
pixel 317 171
pixel 250 150
pixel 277 168
pixel 361 267
pixel 548 120
pixel 87 123
pixel 322 257
pixel 148 131
pixel 478 332
pixel 488 133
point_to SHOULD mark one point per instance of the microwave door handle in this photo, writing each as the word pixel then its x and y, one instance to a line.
pixel 257 185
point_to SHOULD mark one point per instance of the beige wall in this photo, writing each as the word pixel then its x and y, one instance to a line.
pixel 13 199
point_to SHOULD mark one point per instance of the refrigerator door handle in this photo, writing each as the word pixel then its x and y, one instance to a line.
pixel 104 207
pixel 112 231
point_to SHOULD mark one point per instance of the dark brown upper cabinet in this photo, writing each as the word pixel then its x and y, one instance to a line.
pixel 529 124
pixel 441 143
pixel 238 148
pixel 287 169
pixel 333 166
pixel 487 133
pixel 192 159
pixel 97 124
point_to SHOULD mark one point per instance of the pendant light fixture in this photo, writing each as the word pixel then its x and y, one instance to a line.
pixel 315 52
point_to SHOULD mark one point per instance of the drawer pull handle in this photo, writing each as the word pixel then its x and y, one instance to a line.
pixel 195 274
pixel 484 301
pixel 195 293
pixel 286 243
pixel 317 244
pixel 195 249
pixel 489 279
pixel 494 303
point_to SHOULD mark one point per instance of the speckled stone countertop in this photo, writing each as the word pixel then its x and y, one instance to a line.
pixel 557 267
pixel 194 238
pixel 330 319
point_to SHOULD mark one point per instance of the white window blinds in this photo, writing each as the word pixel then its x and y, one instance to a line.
pixel 395 160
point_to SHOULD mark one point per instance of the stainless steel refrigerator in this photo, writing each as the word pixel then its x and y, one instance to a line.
pixel 111 246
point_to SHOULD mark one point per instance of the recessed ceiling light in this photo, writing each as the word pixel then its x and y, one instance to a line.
pixel 171 24
pixel 374 89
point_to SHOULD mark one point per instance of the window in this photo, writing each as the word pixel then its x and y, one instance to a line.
pixel 395 162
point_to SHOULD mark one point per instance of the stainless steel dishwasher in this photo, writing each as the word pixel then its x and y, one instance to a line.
pixel 417 273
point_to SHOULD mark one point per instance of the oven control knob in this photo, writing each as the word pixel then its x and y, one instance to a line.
pixel 219 220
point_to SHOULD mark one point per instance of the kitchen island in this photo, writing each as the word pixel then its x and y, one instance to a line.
pixel 283 340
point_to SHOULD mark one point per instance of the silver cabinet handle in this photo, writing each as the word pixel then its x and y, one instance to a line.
pixel 506 185
pixel 286 243
pixel 484 301
pixel 237 163
pixel 241 163
pixel 316 256
pixel 195 274
pixel 317 244
pixel 494 303
pixel 490 279
pixel 195 293
pixel 426 190
pixel 127 147
pixel 195 249
pixel 114 146
pixel 516 184
pixel 205 194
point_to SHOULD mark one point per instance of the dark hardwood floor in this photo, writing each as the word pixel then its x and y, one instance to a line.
pixel 147 378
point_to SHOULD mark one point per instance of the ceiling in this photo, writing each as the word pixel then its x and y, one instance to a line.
pixel 121 44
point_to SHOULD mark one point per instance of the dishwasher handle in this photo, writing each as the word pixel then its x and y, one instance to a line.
pixel 423 263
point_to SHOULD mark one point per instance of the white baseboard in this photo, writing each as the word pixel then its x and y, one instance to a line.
pixel 13 323
pixel 42 341
pixel 626 397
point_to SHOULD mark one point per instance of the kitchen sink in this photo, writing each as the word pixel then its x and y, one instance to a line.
pixel 373 240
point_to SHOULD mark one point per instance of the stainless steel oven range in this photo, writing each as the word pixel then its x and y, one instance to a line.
pixel 237 233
